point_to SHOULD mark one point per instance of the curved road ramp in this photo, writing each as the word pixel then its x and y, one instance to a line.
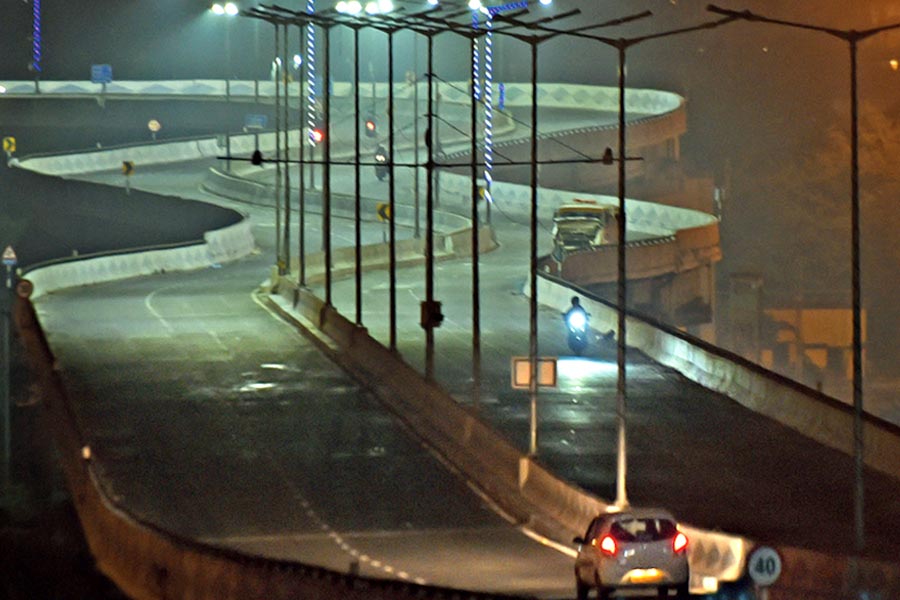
pixel 149 562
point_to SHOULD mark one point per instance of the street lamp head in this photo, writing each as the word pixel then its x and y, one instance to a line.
pixel 432 2
pixel 351 7
pixel 475 4
pixel 385 6
pixel 372 8
pixel 546 2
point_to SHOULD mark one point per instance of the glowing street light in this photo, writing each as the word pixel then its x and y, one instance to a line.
pixel 228 9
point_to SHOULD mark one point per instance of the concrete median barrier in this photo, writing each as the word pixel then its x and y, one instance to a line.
pixel 809 412
pixel 229 243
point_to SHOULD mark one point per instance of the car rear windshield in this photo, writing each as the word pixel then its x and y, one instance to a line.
pixel 643 530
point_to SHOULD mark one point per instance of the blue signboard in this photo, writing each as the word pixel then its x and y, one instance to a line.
pixel 255 121
pixel 101 73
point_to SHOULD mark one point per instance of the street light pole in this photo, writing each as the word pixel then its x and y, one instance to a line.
pixel 5 429
pixel 621 45
pixel 852 37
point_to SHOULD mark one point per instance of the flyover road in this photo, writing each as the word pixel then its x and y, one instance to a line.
pixel 212 418
pixel 714 463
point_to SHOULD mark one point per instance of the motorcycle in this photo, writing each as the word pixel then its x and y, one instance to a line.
pixel 381 167
pixel 576 319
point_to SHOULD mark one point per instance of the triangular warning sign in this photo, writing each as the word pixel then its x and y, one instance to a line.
pixel 9 256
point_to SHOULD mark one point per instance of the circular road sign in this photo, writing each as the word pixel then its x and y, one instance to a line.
pixel 154 125
pixel 764 566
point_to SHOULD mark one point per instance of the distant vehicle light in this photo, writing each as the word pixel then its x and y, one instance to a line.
pixel 679 543
pixel 217 9
pixel 231 9
pixel 317 135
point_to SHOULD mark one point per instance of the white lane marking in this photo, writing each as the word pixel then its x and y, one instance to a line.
pixel 335 537
pixel 148 302
pixel 570 552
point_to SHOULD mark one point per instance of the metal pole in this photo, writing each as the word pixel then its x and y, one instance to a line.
pixel 429 215
pixel 476 226
pixel 621 446
pixel 326 168
pixel 392 192
pixel 858 449
pixel 278 151
pixel 357 212
pixel 302 142
pixel 227 89
pixel 6 433
pixel 533 344
pixel 416 230
pixel 228 58
pixel 286 246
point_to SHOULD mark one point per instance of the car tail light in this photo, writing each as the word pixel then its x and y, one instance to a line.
pixel 679 542
pixel 607 545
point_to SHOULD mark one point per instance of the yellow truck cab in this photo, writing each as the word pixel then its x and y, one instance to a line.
pixel 583 225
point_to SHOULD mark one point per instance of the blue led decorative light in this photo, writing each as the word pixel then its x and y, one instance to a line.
pixel 489 85
pixel 311 120
pixel 489 109
pixel 476 61
pixel 36 36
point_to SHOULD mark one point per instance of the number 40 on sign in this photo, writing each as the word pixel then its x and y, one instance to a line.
pixel 764 566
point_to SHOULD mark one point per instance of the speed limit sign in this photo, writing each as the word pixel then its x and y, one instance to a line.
pixel 764 566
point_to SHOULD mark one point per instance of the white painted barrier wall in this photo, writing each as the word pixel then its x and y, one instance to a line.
pixel 814 415
pixel 226 244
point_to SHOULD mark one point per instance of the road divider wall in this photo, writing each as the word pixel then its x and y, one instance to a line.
pixel 807 575
pixel 521 488
pixel 144 155
pixel 813 414
pixel 222 245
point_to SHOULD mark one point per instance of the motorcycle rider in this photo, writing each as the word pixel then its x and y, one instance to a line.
pixel 576 320
pixel 381 167
pixel 576 307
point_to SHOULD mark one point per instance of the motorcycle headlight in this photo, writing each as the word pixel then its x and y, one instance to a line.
pixel 577 320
